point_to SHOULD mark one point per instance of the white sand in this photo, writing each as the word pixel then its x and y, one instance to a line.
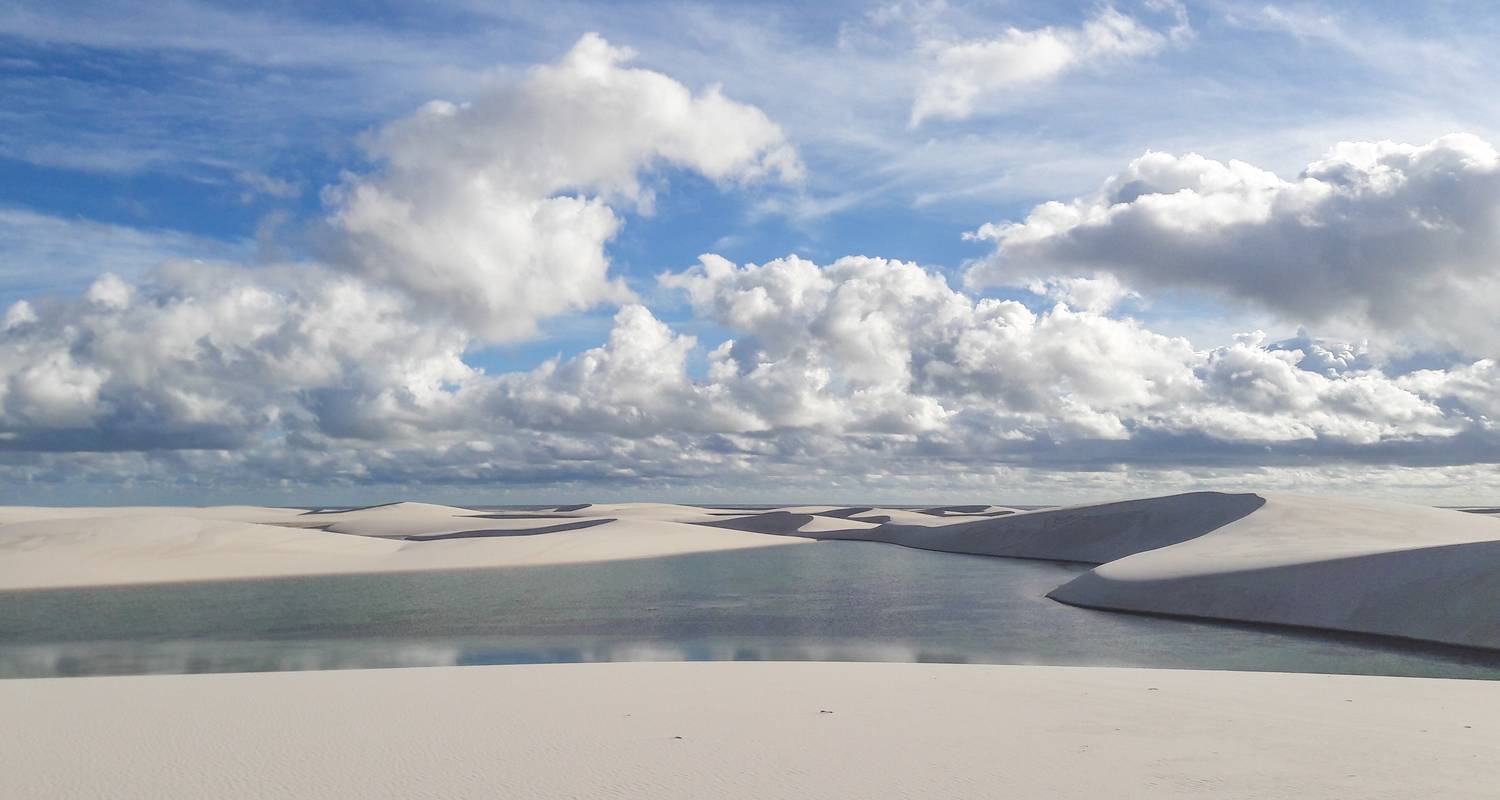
pixel 68 550
pixel 1348 565
pixel 758 730
pixel 12 514
pixel 750 730
pixel 1093 533
pixel 1351 565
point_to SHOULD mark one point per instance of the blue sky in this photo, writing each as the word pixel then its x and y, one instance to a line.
pixel 162 118
pixel 212 132
pixel 146 119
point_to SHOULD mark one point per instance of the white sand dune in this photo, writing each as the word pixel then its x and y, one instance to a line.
pixel 793 523
pixel 1346 565
pixel 900 516
pixel 1089 533
pixel 13 514
pixel 877 515
pixel 406 519
pixel 1350 565
pixel 617 540
pixel 132 549
pixel 750 730
pixel 819 523
pixel 665 512
pixel 90 551
pixel 970 511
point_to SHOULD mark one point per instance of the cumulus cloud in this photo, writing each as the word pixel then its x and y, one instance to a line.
pixel 214 356
pixel 496 211
pixel 1093 294
pixel 109 291
pixel 635 384
pixel 859 375
pixel 1397 237
pixel 960 73
pixel 903 352
pixel 286 373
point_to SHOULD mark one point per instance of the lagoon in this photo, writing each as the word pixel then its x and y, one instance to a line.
pixel 829 601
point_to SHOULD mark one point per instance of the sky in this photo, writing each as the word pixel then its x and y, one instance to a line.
pixel 909 252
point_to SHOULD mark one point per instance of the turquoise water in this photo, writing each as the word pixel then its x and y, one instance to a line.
pixel 827 601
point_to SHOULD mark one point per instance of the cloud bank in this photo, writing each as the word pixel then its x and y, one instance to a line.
pixel 861 374
pixel 863 360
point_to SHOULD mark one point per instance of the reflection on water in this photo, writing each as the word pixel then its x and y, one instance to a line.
pixel 827 601
pixel 152 658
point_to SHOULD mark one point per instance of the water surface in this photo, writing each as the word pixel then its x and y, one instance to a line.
pixel 841 601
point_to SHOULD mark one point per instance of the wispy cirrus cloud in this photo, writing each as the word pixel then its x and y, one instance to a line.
pixel 44 254
pixel 962 73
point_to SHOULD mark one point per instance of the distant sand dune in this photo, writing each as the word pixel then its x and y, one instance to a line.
pixel 1348 565
pixel 576 525
pixel 1090 533
pixel 166 545
pixel 13 514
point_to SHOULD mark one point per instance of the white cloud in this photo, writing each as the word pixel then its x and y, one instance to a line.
pixel 20 313
pixel 210 356
pixel 860 377
pixel 1396 236
pixel 634 385
pixel 863 343
pixel 961 73
pixel 1091 294
pixel 497 211
pixel 1474 388
pixel 864 373
pixel 259 183
pixel 108 291
pixel 52 391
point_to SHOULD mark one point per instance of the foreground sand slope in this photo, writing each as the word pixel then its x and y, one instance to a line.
pixel 751 730
pixel 1351 565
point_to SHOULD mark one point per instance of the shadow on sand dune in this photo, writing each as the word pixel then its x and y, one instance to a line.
pixel 1445 594
pixel 491 533
pixel 1089 534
